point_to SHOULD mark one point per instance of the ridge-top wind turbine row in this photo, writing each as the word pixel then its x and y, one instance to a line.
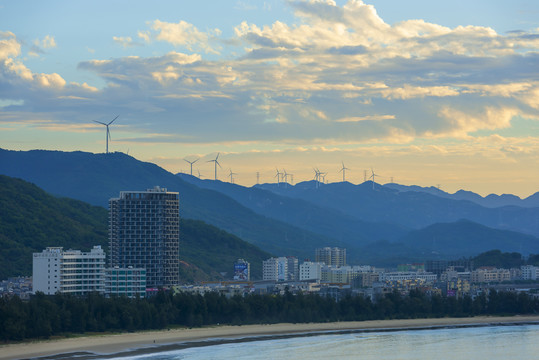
pixel 319 176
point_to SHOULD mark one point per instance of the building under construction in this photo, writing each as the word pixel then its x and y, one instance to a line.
pixel 144 232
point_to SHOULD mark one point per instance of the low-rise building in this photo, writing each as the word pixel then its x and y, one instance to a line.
pixel 408 275
pixel 130 282
pixel 310 271
pixel 490 275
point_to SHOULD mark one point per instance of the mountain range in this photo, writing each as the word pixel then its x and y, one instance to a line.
pixel 374 222
pixel 31 220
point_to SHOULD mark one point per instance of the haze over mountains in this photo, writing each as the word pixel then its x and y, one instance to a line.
pixel 390 223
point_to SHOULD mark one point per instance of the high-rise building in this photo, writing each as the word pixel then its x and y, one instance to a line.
pixel 144 232
pixel 275 269
pixel 331 256
pixel 71 271
pixel 293 268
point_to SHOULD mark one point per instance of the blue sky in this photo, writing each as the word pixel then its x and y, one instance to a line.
pixel 424 92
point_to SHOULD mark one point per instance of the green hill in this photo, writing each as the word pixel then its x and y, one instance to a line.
pixel 31 220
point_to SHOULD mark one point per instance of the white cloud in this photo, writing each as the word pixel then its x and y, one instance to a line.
pixel 183 34
pixel 125 41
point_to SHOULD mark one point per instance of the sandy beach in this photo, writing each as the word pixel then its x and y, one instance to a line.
pixel 141 341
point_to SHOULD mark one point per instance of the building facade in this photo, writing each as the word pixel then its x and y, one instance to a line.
pixel 331 256
pixel 71 271
pixel 310 271
pixel 292 268
pixel 130 282
pixel 275 269
pixel 144 232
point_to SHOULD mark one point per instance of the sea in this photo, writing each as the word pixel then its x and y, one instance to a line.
pixel 485 342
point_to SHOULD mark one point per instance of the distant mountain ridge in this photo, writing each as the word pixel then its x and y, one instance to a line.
pixel 31 220
pixel 95 178
pixel 330 222
pixel 373 224
pixel 490 201
pixel 414 209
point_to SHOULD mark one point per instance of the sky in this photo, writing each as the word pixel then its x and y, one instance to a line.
pixel 430 93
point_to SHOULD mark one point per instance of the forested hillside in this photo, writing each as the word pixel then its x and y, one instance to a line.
pixel 31 220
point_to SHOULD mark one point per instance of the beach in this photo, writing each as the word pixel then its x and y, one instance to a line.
pixel 150 341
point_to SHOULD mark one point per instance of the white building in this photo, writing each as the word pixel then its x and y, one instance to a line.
pixel 275 269
pixel 310 271
pixel 529 272
pixel 70 271
pixel 408 275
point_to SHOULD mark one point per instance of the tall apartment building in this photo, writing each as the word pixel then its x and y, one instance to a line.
pixel 275 269
pixel 292 268
pixel 331 256
pixel 144 232
pixel 71 271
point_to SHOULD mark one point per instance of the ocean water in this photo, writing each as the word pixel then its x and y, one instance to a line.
pixel 492 343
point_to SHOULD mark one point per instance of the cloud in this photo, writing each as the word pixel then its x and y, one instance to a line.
pixel 183 34
pixel 9 46
pixel 125 41
pixel 367 117
pixel 335 74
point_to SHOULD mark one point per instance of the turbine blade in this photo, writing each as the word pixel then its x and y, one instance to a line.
pixel 113 120
pixel 99 122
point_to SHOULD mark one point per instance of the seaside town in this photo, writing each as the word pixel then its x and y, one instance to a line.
pixel 144 257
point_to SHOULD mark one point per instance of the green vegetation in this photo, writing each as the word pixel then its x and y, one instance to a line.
pixel 45 316
pixel 31 220
pixel 498 259
pixel 214 251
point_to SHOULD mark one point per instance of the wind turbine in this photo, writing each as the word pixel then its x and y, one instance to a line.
pixel 285 177
pixel 107 136
pixel 344 168
pixel 278 176
pixel 317 175
pixel 215 162
pixel 373 177
pixel 232 176
pixel 199 176
pixel 191 163
pixel 323 176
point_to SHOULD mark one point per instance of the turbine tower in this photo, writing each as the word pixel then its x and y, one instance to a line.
pixel 373 177
pixel 278 176
pixel 107 135
pixel 232 176
pixel 317 174
pixel 191 163
pixel 343 169
pixel 215 162
pixel 285 178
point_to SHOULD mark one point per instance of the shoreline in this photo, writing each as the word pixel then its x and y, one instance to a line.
pixel 138 343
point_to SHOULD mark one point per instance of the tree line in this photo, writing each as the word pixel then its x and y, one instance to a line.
pixel 44 316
